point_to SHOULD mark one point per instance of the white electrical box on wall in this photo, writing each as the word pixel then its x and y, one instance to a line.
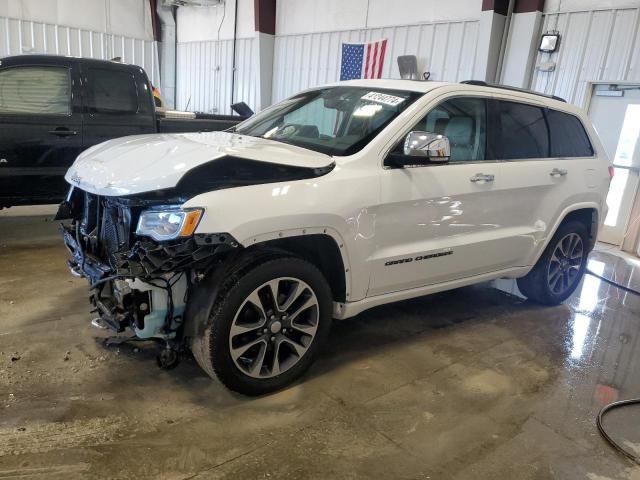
pixel 546 66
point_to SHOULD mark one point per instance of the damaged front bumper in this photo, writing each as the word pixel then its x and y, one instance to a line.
pixel 137 282
pixel 147 258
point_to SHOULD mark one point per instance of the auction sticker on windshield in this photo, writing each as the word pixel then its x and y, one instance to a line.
pixel 383 98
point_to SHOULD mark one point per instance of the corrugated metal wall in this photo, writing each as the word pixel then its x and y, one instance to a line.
pixel 202 87
pixel 597 45
pixel 447 50
pixel 23 37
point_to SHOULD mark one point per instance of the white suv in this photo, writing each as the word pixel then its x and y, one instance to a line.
pixel 243 245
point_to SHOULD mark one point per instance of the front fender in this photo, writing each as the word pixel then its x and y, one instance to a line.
pixel 334 206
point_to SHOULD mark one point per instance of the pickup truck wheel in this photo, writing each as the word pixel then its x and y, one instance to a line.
pixel 266 326
pixel 560 268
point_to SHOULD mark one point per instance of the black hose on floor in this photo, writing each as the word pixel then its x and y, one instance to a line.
pixel 611 282
pixel 621 403
pixel 605 435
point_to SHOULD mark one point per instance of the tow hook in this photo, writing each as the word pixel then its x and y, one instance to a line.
pixel 169 357
pixel 74 269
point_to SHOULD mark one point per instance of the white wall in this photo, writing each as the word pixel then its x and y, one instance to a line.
pixel 129 18
pixel 595 45
pixel 67 27
pixel 201 24
pixel 310 16
pixel 554 6
pixel 307 45
pixel 204 64
pixel 309 34
pixel 447 50
pixel 521 49
pixel 600 41
pixel 204 72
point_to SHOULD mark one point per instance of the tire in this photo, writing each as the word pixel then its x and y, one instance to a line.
pixel 541 284
pixel 286 354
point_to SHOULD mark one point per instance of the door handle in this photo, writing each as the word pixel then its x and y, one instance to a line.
pixel 482 177
pixel 63 132
pixel 558 172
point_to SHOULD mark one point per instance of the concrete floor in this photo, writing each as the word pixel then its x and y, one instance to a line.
pixel 474 383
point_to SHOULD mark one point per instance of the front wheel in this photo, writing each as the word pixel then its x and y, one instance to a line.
pixel 266 326
pixel 559 270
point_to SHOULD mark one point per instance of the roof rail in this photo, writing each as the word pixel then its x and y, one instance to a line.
pixel 481 83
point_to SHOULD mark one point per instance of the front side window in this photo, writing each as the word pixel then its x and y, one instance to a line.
pixel 112 91
pixel 35 90
pixel 463 121
pixel 335 120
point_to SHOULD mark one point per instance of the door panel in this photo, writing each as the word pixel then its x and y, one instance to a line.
pixel 41 132
pixel 438 223
pixel 435 225
pixel 544 189
pixel 548 165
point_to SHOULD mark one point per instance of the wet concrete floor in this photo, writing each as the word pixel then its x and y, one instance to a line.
pixel 474 383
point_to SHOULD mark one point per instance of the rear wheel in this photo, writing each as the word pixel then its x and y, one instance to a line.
pixel 266 326
pixel 558 271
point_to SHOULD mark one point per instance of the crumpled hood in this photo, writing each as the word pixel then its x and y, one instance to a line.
pixel 145 163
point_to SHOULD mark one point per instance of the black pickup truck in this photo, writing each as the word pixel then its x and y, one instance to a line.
pixel 54 107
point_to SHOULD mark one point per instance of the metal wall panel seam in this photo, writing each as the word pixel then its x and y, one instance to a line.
pixel 581 58
pixel 633 51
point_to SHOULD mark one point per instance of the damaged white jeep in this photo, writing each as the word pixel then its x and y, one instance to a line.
pixel 243 245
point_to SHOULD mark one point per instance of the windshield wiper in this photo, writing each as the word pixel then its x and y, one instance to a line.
pixel 276 139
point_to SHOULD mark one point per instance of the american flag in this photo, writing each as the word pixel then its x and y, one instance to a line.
pixel 362 60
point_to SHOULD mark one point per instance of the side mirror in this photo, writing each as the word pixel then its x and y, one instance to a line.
pixel 432 147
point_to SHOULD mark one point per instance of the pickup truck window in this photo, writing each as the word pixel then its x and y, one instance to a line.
pixel 35 90
pixel 112 91
pixel 335 120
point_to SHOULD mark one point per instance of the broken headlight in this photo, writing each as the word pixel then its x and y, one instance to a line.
pixel 168 223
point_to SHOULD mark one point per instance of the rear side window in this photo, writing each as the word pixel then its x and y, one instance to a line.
pixel 519 131
pixel 568 136
pixel 112 91
pixel 35 90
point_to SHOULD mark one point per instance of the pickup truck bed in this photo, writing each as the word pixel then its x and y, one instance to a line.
pixel 54 107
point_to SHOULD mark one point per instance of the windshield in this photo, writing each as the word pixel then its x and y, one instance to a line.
pixel 334 120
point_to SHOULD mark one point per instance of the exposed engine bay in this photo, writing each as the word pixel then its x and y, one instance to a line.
pixel 136 282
